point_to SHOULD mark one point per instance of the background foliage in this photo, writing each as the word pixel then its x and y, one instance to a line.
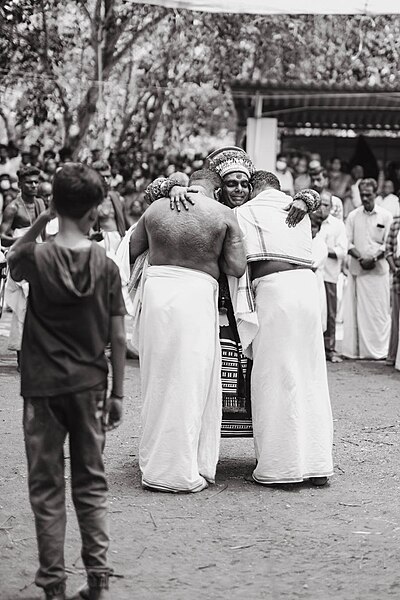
pixel 113 73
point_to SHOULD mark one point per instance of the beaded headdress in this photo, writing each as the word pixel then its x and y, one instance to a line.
pixel 230 159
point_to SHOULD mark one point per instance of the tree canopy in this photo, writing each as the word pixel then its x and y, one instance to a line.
pixel 115 73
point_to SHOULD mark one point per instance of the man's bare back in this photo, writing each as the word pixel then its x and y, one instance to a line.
pixel 208 238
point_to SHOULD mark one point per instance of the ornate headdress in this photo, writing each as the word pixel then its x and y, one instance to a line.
pixel 230 159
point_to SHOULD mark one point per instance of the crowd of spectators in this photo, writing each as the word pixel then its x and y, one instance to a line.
pixel 127 174
pixel 297 171
pixel 131 171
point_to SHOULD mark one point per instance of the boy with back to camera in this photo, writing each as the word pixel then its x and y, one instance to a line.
pixel 75 308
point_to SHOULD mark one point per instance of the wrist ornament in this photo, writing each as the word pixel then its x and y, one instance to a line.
pixel 310 198
pixel 159 188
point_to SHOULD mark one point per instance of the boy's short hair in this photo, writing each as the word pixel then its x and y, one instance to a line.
pixel 76 189
pixel 27 172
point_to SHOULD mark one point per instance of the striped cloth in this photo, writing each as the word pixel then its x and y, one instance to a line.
pixel 266 237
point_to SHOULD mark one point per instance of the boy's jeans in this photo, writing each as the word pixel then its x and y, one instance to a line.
pixel 47 421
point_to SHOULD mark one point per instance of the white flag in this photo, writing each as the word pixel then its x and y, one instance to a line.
pixel 260 7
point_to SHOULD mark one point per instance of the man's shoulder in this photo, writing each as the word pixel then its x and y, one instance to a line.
pixel 11 208
pixel 354 213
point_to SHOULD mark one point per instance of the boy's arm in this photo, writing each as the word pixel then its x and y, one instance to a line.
pixel 33 232
pixel 233 257
pixel 20 256
pixel 139 241
pixel 118 353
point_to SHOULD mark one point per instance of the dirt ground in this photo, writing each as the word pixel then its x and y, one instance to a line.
pixel 236 539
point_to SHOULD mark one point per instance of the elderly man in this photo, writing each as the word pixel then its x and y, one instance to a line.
pixel 366 313
pixel 18 216
pixel 333 232
pixel 292 419
pixel 180 356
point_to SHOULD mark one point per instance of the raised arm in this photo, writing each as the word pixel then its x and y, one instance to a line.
pixel 233 257
pixel 139 241
pixel 304 202
pixel 164 187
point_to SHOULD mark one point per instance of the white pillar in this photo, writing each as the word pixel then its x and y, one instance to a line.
pixel 262 142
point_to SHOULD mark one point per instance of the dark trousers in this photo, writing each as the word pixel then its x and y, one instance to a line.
pixel 47 421
pixel 331 305
pixel 394 330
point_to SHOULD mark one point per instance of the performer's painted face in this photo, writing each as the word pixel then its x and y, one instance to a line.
pixel 235 189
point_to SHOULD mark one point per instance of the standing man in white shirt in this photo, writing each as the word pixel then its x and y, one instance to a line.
pixel 333 232
pixel 388 199
pixel 367 298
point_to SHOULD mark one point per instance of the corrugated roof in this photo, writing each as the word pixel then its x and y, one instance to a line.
pixel 323 108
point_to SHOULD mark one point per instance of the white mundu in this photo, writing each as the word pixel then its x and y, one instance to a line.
pixel 292 419
pixel 366 313
pixel 180 361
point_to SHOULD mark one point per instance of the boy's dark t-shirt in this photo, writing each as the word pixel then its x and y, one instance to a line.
pixel 72 296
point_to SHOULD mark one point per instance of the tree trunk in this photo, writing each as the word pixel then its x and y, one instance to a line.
pixel 7 125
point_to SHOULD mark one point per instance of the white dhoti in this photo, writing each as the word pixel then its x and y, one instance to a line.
pixel 110 242
pixel 292 418
pixel 16 297
pixel 366 316
pixel 180 362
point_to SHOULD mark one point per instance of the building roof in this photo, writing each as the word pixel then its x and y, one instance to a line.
pixel 322 106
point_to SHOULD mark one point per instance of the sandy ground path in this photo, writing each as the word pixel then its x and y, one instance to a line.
pixel 235 540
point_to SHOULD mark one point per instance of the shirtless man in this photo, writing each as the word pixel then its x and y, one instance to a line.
pixel 111 222
pixel 179 348
pixel 18 216
pixel 22 212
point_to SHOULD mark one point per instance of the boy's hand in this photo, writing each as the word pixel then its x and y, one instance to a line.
pixel 112 413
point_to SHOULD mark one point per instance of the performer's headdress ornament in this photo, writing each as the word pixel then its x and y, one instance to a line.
pixel 230 159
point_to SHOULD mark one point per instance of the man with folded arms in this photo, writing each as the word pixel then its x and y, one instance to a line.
pixel 366 311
